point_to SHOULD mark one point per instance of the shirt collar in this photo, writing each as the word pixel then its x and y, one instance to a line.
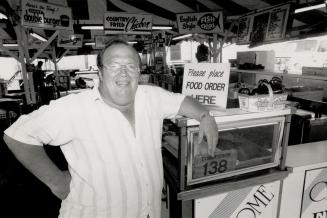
pixel 96 94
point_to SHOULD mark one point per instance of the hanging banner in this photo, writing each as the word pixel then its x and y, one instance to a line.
pixel 46 16
pixel 206 22
pixel 314 196
pixel 126 23
pixel 70 40
pixel 207 82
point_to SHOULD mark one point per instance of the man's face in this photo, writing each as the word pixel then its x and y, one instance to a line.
pixel 120 74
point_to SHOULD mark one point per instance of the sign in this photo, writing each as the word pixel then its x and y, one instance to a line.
pixel 206 22
pixel 263 26
pixel 244 29
pixel 158 38
pixel 278 23
pixel 207 82
pixel 46 16
pixel 70 40
pixel 221 162
pixel 314 198
pixel 126 23
pixel 259 201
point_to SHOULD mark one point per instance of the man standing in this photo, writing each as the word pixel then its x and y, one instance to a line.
pixel 110 136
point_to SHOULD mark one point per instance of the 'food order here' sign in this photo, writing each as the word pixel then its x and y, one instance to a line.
pixel 207 82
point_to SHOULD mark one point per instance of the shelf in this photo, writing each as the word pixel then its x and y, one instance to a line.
pixel 263 72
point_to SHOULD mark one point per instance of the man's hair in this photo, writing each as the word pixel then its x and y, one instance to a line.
pixel 114 41
pixel 202 53
pixel 39 64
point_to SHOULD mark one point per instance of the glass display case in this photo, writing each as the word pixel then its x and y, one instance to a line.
pixel 248 143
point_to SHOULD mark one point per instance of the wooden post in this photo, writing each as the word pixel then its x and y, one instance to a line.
pixel 215 50
pixel 54 60
pixel 17 29
pixel 25 33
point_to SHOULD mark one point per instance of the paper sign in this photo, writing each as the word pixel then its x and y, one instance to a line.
pixel 46 16
pixel 126 23
pixel 207 82
pixel 221 162
pixel 206 22
pixel 70 40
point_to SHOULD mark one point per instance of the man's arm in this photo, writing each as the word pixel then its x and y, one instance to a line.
pixel 35 159
pixel 208 127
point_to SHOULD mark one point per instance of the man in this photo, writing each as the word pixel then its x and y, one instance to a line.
pixel 111 139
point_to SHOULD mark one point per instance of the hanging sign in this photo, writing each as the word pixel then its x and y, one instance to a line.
pixel 126 23
pixel 46 16
pixel 206 22
pixel 70 40
pixel 207 82
pixel 314 196
pixel 244 29
pixel 158 38
pixel 263 26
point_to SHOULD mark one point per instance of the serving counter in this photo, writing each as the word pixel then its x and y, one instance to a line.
pixel 247 167
pixel 304 191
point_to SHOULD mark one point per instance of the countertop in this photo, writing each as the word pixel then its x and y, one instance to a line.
pixel 308 155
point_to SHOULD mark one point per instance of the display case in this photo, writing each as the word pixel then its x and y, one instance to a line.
pixel 250 144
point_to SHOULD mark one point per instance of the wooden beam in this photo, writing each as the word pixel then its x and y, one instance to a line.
pixel 41 49
pixel 63 54
pixel 11 54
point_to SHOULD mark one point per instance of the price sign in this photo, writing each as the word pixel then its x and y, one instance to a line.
pixel 221 162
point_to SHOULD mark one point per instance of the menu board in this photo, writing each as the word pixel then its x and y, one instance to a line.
pixel 278 22
pixel 259 28
pixel 263 26
pixel 244 29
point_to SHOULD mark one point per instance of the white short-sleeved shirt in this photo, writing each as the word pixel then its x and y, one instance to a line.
pixel 114 172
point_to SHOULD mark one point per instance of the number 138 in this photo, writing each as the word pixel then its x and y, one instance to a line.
pixel 214 167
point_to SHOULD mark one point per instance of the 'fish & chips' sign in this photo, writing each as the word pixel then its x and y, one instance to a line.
pixel 206 22
pixel 126 23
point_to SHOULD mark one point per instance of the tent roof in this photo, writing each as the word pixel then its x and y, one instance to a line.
pixel 164 13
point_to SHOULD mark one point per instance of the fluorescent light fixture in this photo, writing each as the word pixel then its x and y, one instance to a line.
pixel 3 16
pixel 132 42
pixel 92 27
pixel 39 37
pixel 158 27
pixel 89 43
pixel 182 36
pixel 10 44
pixel 300 10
